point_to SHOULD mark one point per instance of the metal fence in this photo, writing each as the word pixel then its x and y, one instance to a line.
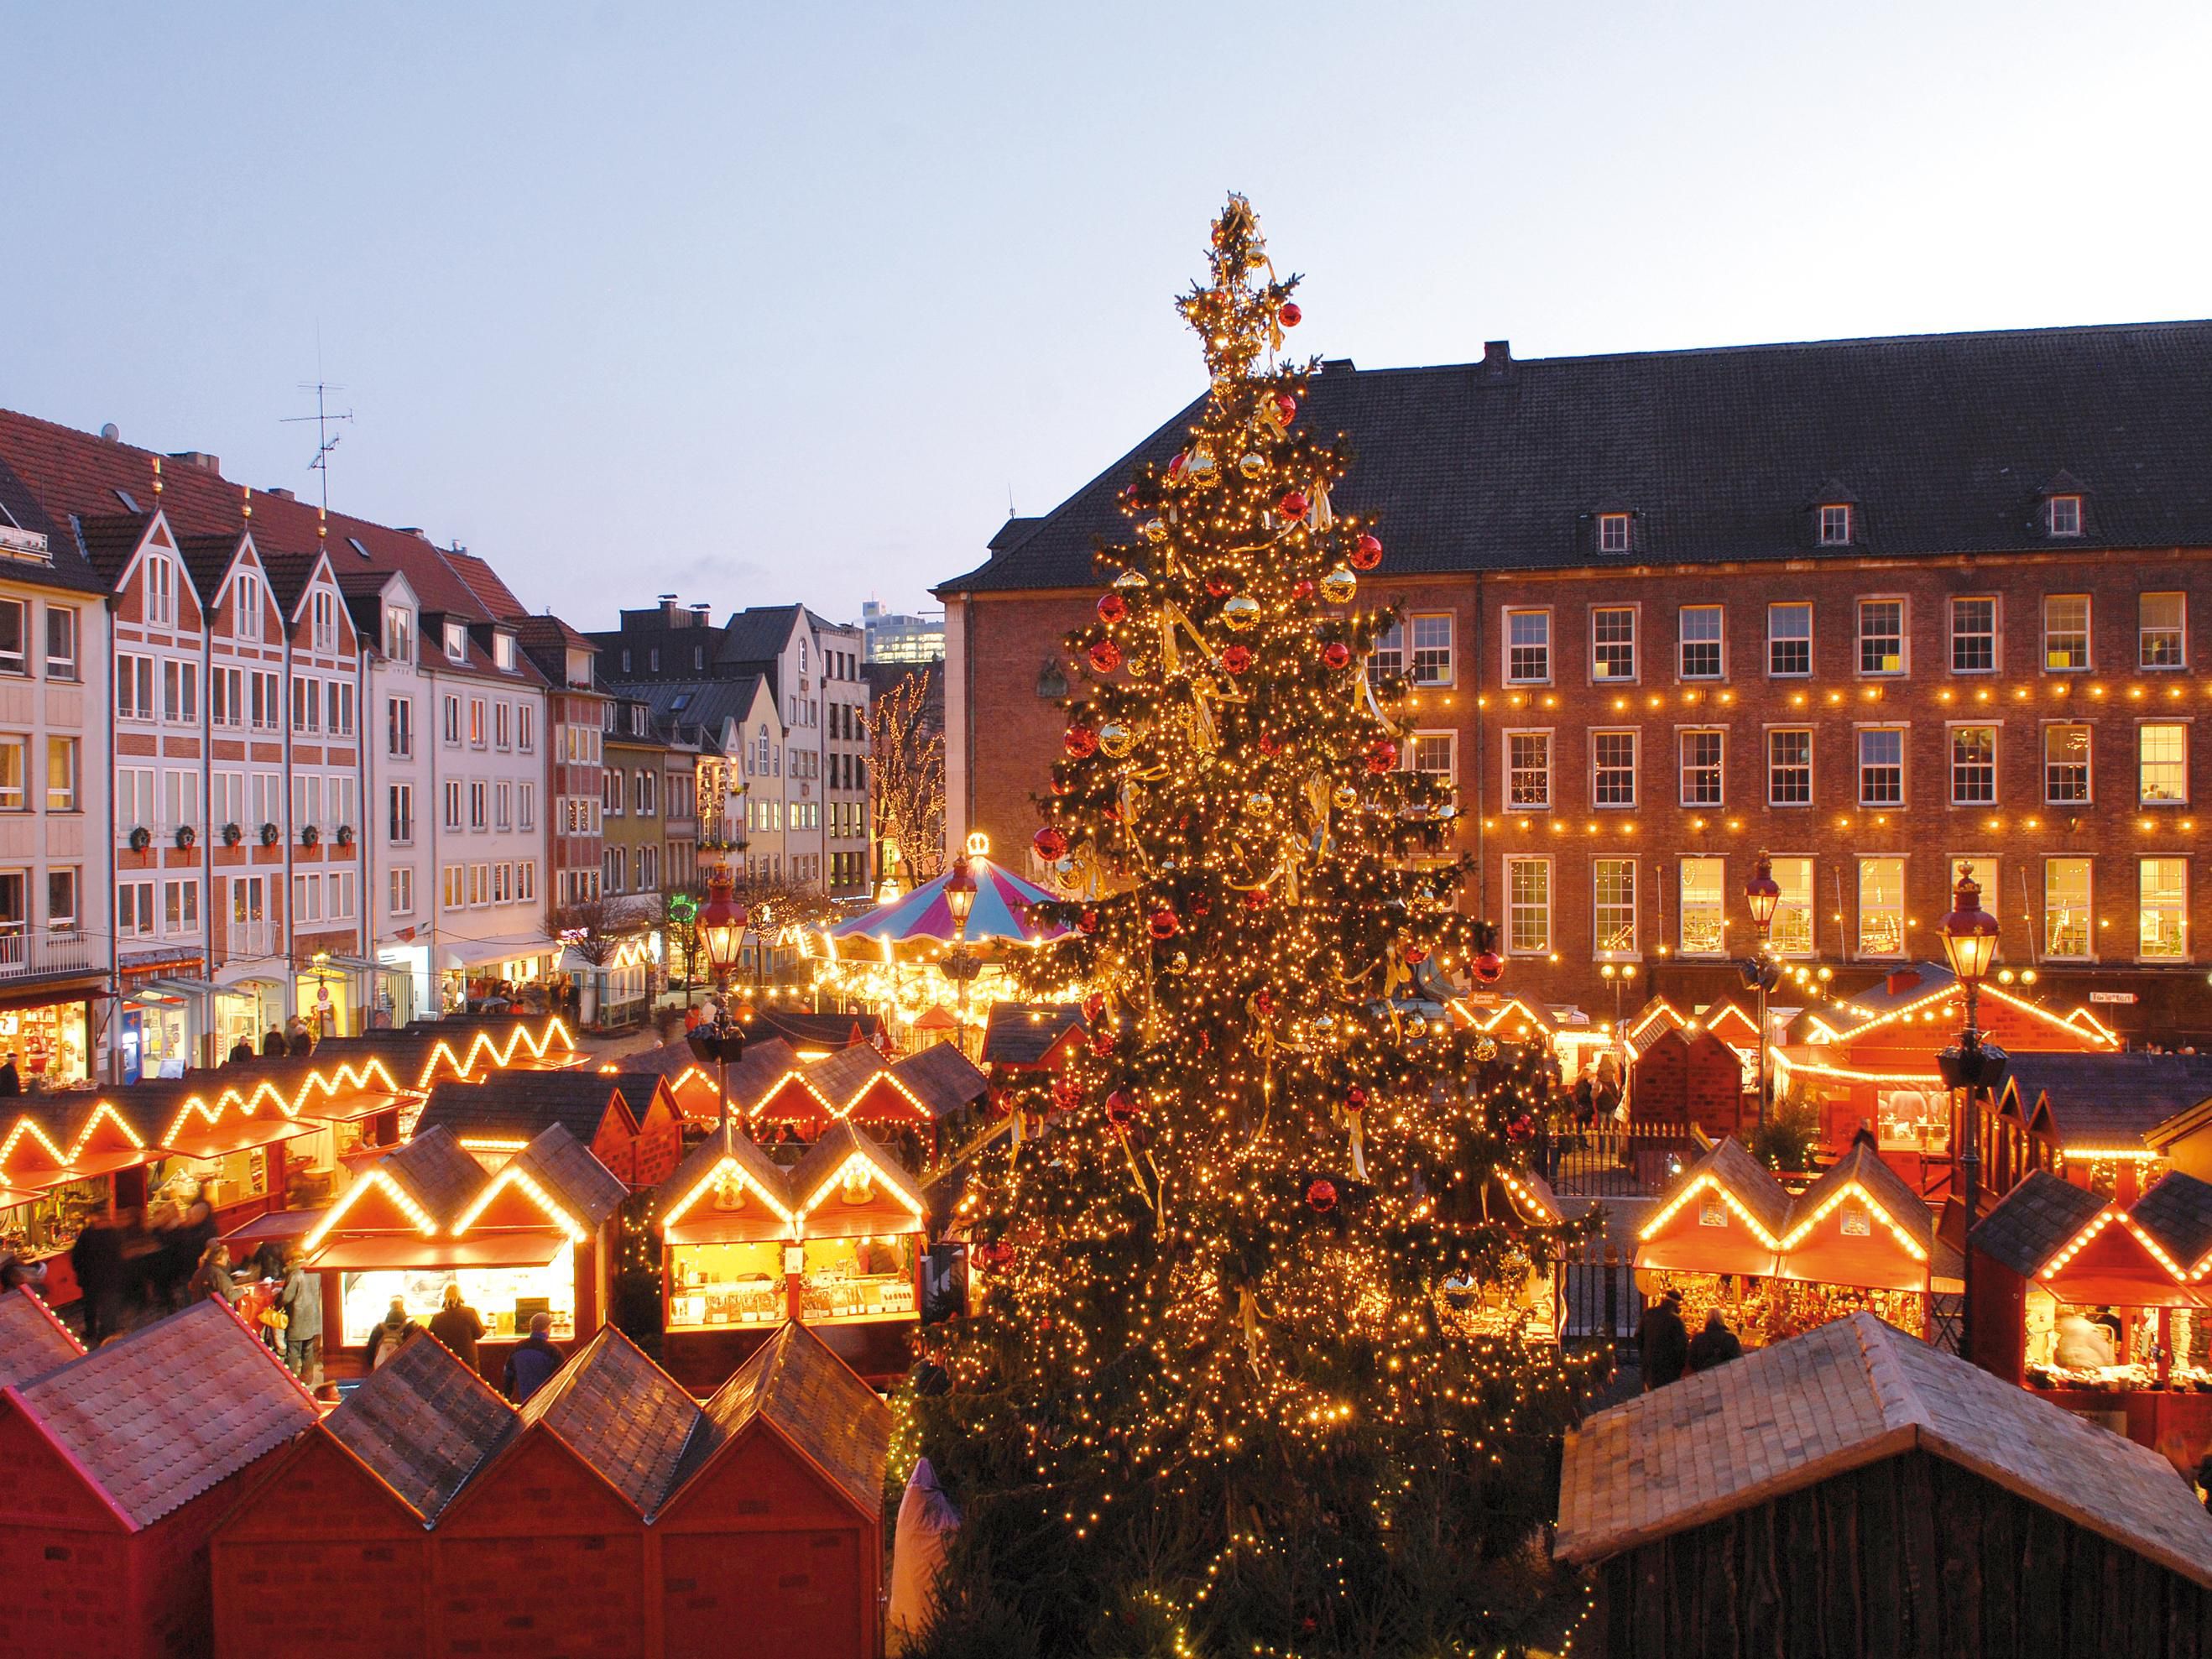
pixel 1616 1160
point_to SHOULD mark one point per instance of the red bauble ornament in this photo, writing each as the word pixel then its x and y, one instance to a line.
pixel 1336 654
pixel 1383 756
pixel 1102 1042
pixel 1080 742
pixel 1105 656
pixel 1355 1099
pixel 1061 786
pixel 1051 842
pixel 1112 607
pixel 1219 583
pixel 1064 1094
pixel 1094 1007
pixel 1087 922
pixel 1255 900
pixel 1294 505
pixel 1321 1194
pixel 1301 589
pixel 1269 744
pixel 1164 923
pixel 1201 905
pixel 1236 659
pixel 1290 313
pixel 1487 966
pixel 1366 553
pixel 1121 1110
pixel 1175 466
pixel 1416 955
pixel 1263 1004
pixel 1287 407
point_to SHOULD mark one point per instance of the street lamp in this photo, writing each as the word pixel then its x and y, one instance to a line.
pixel 1617 975
pixel 1970 940
pixel 1762 894
pixel 721 928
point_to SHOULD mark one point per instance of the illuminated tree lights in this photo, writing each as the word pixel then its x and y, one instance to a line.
pixel 1216 1390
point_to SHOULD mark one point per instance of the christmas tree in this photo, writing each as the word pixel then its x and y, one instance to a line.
pixel 1248 1373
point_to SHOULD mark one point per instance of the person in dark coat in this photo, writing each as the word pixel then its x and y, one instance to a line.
pixel 1716 1344
pixel 212 1277
pixel 458 1326
pixel 273 1045
pixel 242 1051
pixel 96 1258
pixel 11 1080
pixel 1662 1342
pixel 534 1361
pixel 390 1334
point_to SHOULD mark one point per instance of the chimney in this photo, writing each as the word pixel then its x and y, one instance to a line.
pixel 1337 366
pixel 414 529
pixel 703 613
pixel 672 613
pixel 1900 980
pixel 1497 360
pixel 281 495
pixel 198 457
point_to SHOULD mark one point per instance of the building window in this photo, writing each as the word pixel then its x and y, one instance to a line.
pixel 1973 765
pixel 160 590
pixel 2159 630
pixel 2065 514
pixel 1528 906
pixel 1790 767
pixel 180 907
pixel 180 691
pixel 1701 641
pixel 1791 933
pixel 2164 764
pixel 324 620
pixel 225 696
pixel 399 633
pixel 134 687
pixel 1613 899
pixel 400 727
pixel 475 723
pixel 2066 765
pixel 1701 767
pixel 1528 647
pixel 402 814
pixel 15 768
pixel 1789 641
pixel 2066 633
pixel 1614 753
pixel 61 642
pixel 525 728
pixel 457 642
pixel 2066 908
pixel 402 891
pixel 1613 642
pixel 1432 650
pixel 2163 927
pixel 1882 907
pixel 14 630
pixel 60 775
pixel 1387 660
pixel 1882 636
pixel 1431 753
pixel 1613 532
pixel 502 653
pixel 1704 909
pixel 1836 525
pixel 1973 636
pixel 134 909
pixel 1529 770
pixel 1882 767
pixel 61 899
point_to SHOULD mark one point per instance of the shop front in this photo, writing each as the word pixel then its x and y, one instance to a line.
pixel 246 1009
pixel 50 1040
pixel 70 1160
pixel 475 973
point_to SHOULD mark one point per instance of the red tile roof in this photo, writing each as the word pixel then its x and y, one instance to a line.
pixel 424 1423
pixel 826 1413
pixel 622 1414
pixel 31 1341
pixel 482 581
pixel 158 1416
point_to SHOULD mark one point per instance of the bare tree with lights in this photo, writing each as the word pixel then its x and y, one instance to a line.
pixel 1250 1371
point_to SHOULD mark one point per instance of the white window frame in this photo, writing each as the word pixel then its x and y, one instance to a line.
pixel 1516 613
pixel 1682 642
pixel 1772 770
pixel 1777 936
pixel 1635 675
pixel 2088 633
pixel 2066 523
pixel 1772 639
pixel 1513 769
pixel 2180 632
pixel 1635 736
pixel 1903 766
pixel 2142 909
pixel 2089 952
pixel 1599 950
pixel 1449 773
pixel 1951 764
pixel 1904 636
pixel 1515 909
pixel 1861 951
pixel 1415 651
pixel 2143 727
pixel 1683 945
pixel 2088 795
pixel 1614 534
pixel 1836 527
pixel 1683 736
pixel 1953 635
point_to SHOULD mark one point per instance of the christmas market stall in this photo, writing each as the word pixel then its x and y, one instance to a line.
pixel 2102 1308
pixel 1858 1494
pixel 65 1159
pixel 2099 1120
pixel 769 1064
pixel 534 1236
pixel 628 1119
pixel 1524 1304
pixel 1024 1037
pixel 115 1468
pixel 862 1223
pixel 464 1046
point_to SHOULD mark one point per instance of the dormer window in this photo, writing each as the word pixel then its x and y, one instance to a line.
pixel 502 653
pixel 399 633
pixel 457 642
pixel 324 620
pixel 2064 515
pixel 1836 525
pixel 247 606
pixel 1613 532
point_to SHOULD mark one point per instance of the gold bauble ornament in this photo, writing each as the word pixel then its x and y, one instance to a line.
pixel 1239 611
pixel 1180 963
pixel 1259 803
pixel 1252 466
pixel 1201 462
pixel 1131 580
pixel 1156 530
pixel 1116 740
pixel 1338 585
pixel 1485 1049
pixel 1345 797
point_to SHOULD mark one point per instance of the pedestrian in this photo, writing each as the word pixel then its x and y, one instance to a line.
pixel 1716 1344
pixel 242 1051
pixel 212 1277
pixel 96 1258
pixel 273 1046
pixel 301 1298
pixel 300 1037
pixel 269 1261
pixel 390 1334
pixel 458 1326
pixel 533 1360
pixel 11 1080
pixel 1662 1342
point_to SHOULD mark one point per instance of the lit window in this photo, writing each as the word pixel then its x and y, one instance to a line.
pixel 1613 642
pixel 2066 632
pixel 1882 767
pixel 1613 532
pixel 1973 636
pixel 1614 752
pixel 2161 630
pixel 1704 908
pixel 2164 764
pixel 1529 770
pixel 2066 908
pixel 1528 906
pixel 1701 768
pixel 1614 905
pixel 1973 765
pixel 2066 765
pixel 1882 907
pixel 1701 641
pixel 1791 934
pixel 2164 927
pixel 1431 753
pixel 1387 660
pixel 1836 525
pixel 1789 641
pixel 1528 647
pixel 2065 515
pixel 1882 636
pixel 1790 767
pixel 1432 650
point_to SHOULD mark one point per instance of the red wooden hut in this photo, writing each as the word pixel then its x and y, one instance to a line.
pixel 1029 1037
pixel 2099 1120
pixel 337 1533
pixel 31 1341
pixel 629 1118
pixel 1688 1076
pixel 115 1469
pixel 421 1054
pixel 64 1161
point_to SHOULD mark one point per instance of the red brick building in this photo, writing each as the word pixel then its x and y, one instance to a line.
pixel 1879 607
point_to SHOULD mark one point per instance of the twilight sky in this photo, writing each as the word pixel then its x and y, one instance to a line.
pixel 757 303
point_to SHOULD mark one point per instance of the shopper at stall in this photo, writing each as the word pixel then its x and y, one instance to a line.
pixel 534 1361
pixel 96 1258
pixel 458 1326
pixel 301 1299
pixel 273 1045
pixel 212 1277
pixel 242 1051
pixel 1662 1342
pixel 1716 1344
pixel 301 1036
pixel 11 1080
pixel 2083 1344
pixel 390 1334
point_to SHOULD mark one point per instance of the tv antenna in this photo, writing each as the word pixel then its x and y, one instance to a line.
pixel 326 439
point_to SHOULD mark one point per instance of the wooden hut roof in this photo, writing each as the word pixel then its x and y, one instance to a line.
pixel 1861 1166
pixel 520 1103
pixel 1023 1033
pixel 840 1142
pixel 835 1420
pixel 942 1079
pixel 157 1418
pixel 804 1029
pixel 622 1414
pixel 565 1167
pixel 2109 1101
pixel 2178 1213
pixel 31 1341
pixel 435 1170
pixel 1851 1393
pixel 701 1161
pixel 2034 1221
pixel 57 1128
pixel 423 1423
pixel 1736 1172
pixel 840 1077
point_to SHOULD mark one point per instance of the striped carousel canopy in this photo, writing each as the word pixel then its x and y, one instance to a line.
pixel 922 918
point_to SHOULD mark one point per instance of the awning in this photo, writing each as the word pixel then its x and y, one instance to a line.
pixel 389 1252
pixel 352 1108
pixel 9 1198
pixel 471 952
pixel 284 1226
pixel 96 1163
pixel 177 986
pixel 153 996
pixel 756 1224
pixel 234 1133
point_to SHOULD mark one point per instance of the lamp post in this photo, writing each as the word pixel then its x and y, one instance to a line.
pixel 722 928
pixel 963 965
pixel 1762 894
pixel 1970 940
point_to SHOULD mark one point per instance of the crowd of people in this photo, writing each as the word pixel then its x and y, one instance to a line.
pixel 1666 1352
pixel 296 1038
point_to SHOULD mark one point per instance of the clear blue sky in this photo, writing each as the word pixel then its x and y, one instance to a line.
pixel 758 303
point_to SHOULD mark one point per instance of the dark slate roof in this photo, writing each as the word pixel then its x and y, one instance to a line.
pixel 158 1416
pixel 1022 1033
pixel 622 1414
pixel 209 558
pixel 638 1087
pixel 759 633
pixel 2033 1221
pixel 2178 1213
pixel 109 539
pixel 942 1078
pixel 698 708
pixel 564 1166
pixel 1948 442
pixel 423 1423
pixel 741 1149
pixel 811 1030
pixel 2110 1100
pixel 838 1077
pixel 31 1341
pixel 21 509
pixel 436 1170
pixel 813 1400
pixel 1752 1182
pixel 521 1104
